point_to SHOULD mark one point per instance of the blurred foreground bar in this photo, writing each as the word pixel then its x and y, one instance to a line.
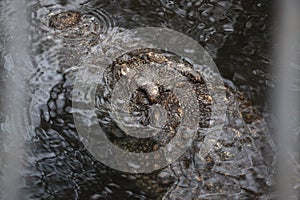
pixel 285 96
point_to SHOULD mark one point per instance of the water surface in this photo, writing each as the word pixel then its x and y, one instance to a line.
pixel 237 34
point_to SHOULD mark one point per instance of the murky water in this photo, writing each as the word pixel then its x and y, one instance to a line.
pixel 237 164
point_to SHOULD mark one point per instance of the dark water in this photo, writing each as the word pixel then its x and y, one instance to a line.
pixel 237 34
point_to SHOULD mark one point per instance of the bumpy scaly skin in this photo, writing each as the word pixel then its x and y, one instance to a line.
pixel 151 94
pixel 78 32
pixel 65 20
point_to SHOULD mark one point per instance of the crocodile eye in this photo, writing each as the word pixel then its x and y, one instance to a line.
pixel 64 20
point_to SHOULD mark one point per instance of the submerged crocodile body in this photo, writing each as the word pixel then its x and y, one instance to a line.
pixel 235 164
pixel 238 163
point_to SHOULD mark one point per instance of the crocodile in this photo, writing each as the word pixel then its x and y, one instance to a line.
pixel 238 163
pixel 234 164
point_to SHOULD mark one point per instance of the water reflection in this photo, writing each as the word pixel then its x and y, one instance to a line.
pixel 57 166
